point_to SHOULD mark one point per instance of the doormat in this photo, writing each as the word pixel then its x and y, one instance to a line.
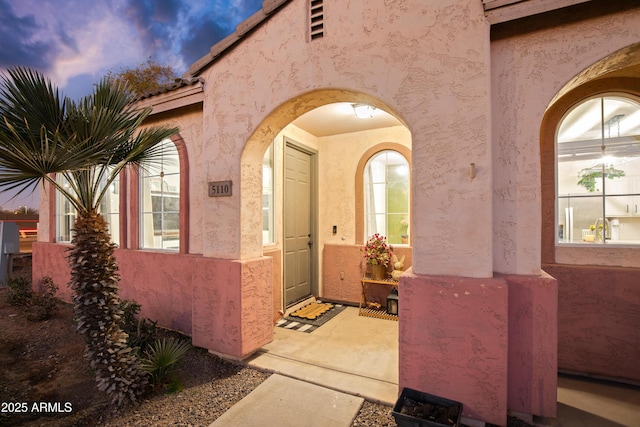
pixel 312 311
pixel 310 325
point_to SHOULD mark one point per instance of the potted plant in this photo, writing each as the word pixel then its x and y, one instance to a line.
pixel 417 409
pixel 404 230
pixel 377 253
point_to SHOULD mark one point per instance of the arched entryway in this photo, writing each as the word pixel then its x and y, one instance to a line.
pixel 337 146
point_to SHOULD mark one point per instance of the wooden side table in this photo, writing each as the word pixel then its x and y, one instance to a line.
pixel 370 312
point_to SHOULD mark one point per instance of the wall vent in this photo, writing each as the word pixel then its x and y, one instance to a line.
pixel 316 19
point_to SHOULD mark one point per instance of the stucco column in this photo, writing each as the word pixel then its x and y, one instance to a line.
pixel 450 125
pixel 232 314
pixel 453 335
pixel 232 224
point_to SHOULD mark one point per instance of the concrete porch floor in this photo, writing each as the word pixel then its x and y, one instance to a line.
pixel 359 356
pixel 354 354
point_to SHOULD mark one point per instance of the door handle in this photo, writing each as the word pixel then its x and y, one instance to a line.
pixel 310 242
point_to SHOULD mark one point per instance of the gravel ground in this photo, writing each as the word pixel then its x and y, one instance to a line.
pixel 218 386
pixel 201 404
pixel 212 386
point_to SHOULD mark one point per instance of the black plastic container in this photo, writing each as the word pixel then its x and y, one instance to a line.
pixel 417 409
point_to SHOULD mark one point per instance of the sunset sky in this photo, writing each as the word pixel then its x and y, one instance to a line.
pixel 77 42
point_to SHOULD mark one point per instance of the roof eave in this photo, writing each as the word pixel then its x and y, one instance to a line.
pixel 184 96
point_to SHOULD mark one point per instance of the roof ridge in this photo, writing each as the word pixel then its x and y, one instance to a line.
pixel 269 8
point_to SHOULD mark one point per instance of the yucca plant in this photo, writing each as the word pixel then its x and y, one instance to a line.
pixel 87 142
pixel 160 361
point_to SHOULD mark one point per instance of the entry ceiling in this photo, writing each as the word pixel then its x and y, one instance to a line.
pixel 339 118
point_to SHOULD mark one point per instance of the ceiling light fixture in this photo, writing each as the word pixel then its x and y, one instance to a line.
pixel 363 111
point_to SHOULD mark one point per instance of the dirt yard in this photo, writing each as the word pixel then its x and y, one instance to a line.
pixel 46 381
pixel 40 365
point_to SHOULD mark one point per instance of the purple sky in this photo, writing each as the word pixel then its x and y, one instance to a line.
pixel 77 42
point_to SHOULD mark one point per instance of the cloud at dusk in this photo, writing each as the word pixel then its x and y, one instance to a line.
pixel 66 39
pixel 77 42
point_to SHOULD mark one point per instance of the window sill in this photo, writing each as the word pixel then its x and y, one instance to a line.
pixel 631 244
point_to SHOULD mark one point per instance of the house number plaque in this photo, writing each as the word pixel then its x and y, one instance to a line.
pixel 220 188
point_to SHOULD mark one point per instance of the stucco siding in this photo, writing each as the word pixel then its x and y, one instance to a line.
pixel 598 320
pixel 447 114
pixel 454 341
pixel 161 283
pixel 479 321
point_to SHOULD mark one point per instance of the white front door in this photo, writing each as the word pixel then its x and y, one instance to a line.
pixel 298 224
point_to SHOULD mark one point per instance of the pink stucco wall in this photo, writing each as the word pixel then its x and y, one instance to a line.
pixel 533 344
pixel 232 305
pixel 154 280
pixel 347 259
pixel 276 277
pixel 220 303
pixel 453 341
pixel 598 320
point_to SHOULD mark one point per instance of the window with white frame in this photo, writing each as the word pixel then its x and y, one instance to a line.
pixel 598 172
pixel 160 201
pixel 109 208
pixel 268 196
pixel 65 213
pixel 386 196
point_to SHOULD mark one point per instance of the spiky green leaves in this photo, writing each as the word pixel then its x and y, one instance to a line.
pixel 42 133
pixel 161 359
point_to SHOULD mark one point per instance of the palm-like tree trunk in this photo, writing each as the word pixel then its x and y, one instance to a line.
pixel 94 280
pixel 88 143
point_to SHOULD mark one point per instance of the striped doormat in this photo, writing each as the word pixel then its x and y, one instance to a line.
pixel 304 324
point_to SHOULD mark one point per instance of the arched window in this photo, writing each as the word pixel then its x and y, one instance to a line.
pixel 598 172
pixel 386 196
pixel 160 201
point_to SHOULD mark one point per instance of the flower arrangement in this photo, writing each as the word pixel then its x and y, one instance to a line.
pixel 377 251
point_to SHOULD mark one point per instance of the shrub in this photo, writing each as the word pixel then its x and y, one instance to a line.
pixel 38 305
pixel 43 304
pixel 160 361
pixel 142 332
pixel 19 292
pixel 175 385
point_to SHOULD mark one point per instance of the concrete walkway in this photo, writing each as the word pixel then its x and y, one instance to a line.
pixel 352 354
pixel 328 372
pixel 287 402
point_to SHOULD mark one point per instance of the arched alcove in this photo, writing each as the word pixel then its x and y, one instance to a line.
pixel 252 155
pixel 596 282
